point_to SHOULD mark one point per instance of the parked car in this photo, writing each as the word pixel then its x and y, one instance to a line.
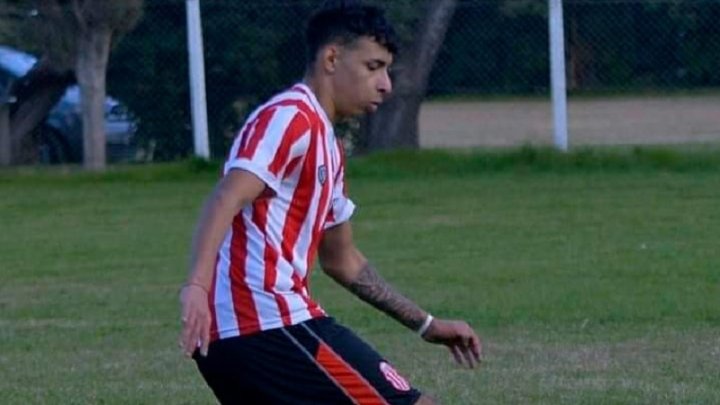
pixel 61 139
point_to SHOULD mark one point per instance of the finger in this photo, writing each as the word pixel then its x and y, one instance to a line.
pixel 205 339
pixel 469 348
pixel 456 353
pixel 471 340
pixel 190 335
pixel 185 312
pixel 469 359
pixel 476 347
pixel 202 325
pixel 185 315
pixel 186 329
pixel 187 346
pixel 198 332
pixel 189 341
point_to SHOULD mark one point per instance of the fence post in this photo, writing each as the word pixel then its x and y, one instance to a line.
pixel 197 79
pixel 557 69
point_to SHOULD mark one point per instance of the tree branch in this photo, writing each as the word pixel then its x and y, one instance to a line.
pixel 78 12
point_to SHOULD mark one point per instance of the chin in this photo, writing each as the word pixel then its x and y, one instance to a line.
pixel 356 113
pixel 371 109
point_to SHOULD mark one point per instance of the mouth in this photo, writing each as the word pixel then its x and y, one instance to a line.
pixel 372 107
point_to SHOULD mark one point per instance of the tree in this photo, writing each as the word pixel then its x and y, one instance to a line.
pixel 98 23
pixel 395 124
pixel 10 16
pixel 75 38
pixel 40 88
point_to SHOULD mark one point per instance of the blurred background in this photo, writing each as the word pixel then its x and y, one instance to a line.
pixel 638 72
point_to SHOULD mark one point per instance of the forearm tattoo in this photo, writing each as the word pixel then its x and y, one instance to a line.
pixel 373 289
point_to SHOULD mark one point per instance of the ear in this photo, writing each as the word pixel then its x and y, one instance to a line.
pixel 329 57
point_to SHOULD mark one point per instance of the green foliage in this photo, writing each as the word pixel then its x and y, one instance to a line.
pixel 10 15
pixel 252 50
pixel 15 27
pixel 400 164
pixel 408 164
pixel 149 72
pixel 502 46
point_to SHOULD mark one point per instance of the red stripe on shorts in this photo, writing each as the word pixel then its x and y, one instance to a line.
pixel 357 387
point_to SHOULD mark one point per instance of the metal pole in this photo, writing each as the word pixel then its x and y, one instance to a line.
pixel 197 79
pixel 557 69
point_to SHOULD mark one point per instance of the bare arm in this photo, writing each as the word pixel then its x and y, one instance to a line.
pixel 342 261
pixel 237 189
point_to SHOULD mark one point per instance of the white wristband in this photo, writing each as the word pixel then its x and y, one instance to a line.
pixel 426 325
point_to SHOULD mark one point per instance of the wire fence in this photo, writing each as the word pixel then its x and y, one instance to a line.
pixel 635 68
pixel 638 72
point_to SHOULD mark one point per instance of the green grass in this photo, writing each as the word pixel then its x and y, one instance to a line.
pixel 592 277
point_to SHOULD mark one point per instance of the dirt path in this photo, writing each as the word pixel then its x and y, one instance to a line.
pixel 611 121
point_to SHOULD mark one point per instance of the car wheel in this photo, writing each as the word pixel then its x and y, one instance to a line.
pixel 52 148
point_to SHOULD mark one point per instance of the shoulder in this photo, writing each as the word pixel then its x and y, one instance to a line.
pixel 286 106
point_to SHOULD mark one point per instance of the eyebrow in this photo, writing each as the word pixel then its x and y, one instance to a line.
pixel 379 62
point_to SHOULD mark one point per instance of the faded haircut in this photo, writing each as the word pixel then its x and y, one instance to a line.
pixel 344 22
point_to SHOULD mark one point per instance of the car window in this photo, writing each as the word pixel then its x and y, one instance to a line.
pixel 117 112
pixel 16 62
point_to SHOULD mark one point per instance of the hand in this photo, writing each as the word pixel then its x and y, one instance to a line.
pixel 459 337
pixel 196 320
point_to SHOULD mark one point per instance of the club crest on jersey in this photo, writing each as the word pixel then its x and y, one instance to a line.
pixel 322 174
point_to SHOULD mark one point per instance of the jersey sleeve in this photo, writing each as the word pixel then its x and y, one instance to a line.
pixel 341 206
pixel 268 142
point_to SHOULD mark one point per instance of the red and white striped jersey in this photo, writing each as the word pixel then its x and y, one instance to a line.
pixel 263 265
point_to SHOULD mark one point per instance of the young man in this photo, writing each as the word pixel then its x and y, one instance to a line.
pixel 248 319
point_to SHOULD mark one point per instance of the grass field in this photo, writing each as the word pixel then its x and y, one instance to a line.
pixel 592 277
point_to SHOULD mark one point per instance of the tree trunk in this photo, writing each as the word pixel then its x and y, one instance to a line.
pixel 395 124
pixel 581 70
pixel 36 93
pixel 575 68
pixel 93 54
pixel 5 140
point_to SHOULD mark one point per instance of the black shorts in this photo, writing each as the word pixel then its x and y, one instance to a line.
pixel 315 362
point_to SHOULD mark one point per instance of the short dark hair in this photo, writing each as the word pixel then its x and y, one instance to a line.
pixel 346 21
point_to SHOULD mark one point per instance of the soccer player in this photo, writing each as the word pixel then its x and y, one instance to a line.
pixel 256 334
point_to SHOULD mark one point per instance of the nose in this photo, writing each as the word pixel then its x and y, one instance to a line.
pixel 385 83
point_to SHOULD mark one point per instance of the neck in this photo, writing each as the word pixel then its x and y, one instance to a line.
pixel 323 92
